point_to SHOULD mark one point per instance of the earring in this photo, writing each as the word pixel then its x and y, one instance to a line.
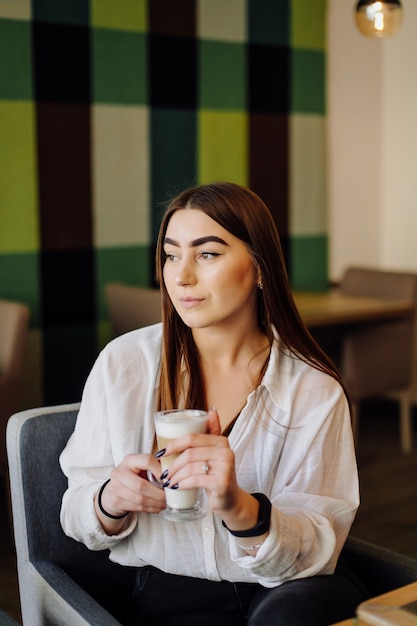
pixel 260 285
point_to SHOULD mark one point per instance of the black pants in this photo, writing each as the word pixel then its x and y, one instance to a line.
pixel 161 599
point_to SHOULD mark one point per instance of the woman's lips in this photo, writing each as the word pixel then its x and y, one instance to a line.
pixel 189 303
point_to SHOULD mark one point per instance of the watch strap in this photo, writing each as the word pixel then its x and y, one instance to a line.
pixel 264 519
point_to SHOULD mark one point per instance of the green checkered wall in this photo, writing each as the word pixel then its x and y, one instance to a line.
pixel 109 108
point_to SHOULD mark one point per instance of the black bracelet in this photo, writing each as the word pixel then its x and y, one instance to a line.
pixel 264 519
pixel 102 509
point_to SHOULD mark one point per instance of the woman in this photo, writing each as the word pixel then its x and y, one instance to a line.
pixel 231 338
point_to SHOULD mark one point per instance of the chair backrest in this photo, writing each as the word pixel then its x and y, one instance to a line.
pixel 375 283
pixel 132 307
pixel 14 320
pixel 35 440
pixel 379 358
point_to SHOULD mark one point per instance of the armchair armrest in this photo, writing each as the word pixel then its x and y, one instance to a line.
pixel 6 620
pixel 65 602
pixel 380 569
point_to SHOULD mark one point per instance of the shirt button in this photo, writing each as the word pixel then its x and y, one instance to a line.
pixel 208 530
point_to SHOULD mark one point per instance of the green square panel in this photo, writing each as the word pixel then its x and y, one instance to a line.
pixel 119 67
pixel 19 280
pixel 222 75
pixel 308 24
pixel 128 15
pixel 309 81
pixel 308 263
pixel 62 12
pixel 18 187
pixel 15 60
pixel 104 333
pixel 223 146
pixel 130 265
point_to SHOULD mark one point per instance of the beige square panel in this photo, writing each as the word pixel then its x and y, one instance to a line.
pixel 16 9
pixel 222 19
pixel 308 203
pixel 120 153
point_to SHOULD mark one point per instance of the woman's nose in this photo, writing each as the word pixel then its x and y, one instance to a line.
pixel 184 275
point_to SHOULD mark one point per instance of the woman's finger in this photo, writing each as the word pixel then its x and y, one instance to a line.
pixel 213 423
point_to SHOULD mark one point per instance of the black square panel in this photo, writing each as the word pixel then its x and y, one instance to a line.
pixel 61 62
pixel 68 291
pixel 269 79
pixel 172 18
pixel 68 355
pixel 173 76
pixel 64 175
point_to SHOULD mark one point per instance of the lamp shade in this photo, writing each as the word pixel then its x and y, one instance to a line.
pixel 378 19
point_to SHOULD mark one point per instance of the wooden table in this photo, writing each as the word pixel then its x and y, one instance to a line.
pixel 334 308
pixel 398 597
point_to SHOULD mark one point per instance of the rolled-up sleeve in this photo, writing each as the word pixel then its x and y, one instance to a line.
pixel 315 491
pixel 115 419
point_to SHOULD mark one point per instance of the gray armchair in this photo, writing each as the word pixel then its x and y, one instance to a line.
pixel 61 582
pixel 6 620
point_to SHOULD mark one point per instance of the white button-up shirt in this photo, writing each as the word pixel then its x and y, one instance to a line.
pixel 292 442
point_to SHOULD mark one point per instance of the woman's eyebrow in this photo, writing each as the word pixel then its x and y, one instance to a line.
pixel 197 242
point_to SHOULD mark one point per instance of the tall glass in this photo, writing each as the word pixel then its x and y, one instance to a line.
pixel 184 504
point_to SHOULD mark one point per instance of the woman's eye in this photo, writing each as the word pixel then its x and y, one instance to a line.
pixel 209 255
pixel 169 257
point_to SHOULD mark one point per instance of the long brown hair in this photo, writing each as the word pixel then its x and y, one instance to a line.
pixel 242 213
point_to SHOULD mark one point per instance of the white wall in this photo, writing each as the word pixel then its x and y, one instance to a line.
pixel 372 143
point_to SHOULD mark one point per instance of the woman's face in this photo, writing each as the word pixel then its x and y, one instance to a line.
pixel 208 272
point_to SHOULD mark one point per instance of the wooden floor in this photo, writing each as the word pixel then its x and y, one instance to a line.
pixel 388 512
pixel 9 595
pixel 387 516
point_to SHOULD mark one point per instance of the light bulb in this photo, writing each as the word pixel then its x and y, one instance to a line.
pixel 379 19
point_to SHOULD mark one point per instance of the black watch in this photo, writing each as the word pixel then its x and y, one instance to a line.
pixel 264 519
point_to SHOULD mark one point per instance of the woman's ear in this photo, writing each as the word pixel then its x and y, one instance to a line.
pixel 258 275
pixel 259 284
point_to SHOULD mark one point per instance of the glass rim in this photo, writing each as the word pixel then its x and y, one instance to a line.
pixel 184 414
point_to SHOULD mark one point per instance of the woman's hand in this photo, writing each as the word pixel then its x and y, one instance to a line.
pixel 130 491
pixel 238 509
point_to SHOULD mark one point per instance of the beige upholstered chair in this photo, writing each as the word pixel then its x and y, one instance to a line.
pixel 14 319
pixel 132 307
pixel 379 358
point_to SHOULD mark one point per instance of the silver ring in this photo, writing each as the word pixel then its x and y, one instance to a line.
pixel 205 468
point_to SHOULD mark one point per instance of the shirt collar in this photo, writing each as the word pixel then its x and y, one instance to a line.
pixel 278 378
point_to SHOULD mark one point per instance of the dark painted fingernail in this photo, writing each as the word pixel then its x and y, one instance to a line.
pixel 174 486
pixel 166 484
pixel 160 453
pixel 163 475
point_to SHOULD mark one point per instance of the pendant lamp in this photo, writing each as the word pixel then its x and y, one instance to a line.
pixel 379 19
